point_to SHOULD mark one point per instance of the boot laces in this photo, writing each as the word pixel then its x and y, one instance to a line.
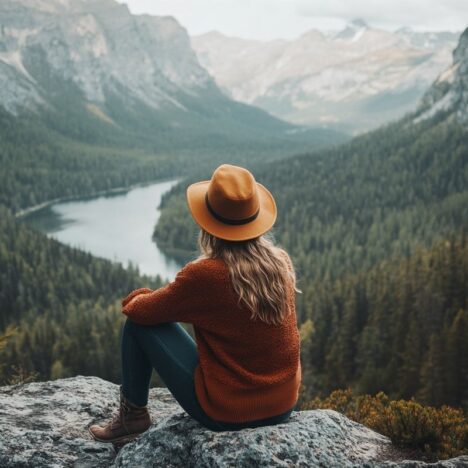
pixel 118 418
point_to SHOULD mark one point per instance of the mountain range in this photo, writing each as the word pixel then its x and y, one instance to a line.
pixel 92 65
pixel 353 80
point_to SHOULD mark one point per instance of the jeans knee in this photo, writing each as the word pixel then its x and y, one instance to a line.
pixel 128 326
pixel 132 327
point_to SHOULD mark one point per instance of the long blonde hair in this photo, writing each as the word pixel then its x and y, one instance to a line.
pixel 261 273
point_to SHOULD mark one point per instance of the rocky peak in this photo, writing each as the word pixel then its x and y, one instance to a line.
pixel 460 54
pixel 353 30
pixel 358 23
pixel 429 40
pixel 44 424
pixel 449 93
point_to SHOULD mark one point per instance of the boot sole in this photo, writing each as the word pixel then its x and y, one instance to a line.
pixel 123 438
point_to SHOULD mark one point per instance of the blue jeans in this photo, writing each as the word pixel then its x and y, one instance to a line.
pixel 171 351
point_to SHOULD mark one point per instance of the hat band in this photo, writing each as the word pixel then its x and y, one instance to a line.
pixel 228 220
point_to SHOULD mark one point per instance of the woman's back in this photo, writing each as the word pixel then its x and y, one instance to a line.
pixel 252 364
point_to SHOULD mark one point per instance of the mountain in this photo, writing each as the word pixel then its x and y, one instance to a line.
pixel 353 80
pixel 100 48
pixel 93 71
pixel 449 94
pixel 352 31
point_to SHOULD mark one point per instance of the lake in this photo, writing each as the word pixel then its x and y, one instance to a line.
pixel 117 226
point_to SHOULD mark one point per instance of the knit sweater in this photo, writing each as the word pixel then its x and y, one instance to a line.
pixel 247 369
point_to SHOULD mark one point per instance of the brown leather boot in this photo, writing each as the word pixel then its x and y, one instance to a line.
pixel 130 421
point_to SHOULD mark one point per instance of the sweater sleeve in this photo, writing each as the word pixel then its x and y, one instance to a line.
pixel 178 301
pixel 134 293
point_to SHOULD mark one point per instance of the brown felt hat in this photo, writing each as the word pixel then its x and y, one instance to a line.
pixel 232 205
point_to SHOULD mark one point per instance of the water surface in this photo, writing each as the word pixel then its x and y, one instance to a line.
pixel 116 226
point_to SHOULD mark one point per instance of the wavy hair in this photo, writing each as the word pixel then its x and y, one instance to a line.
pixel 261 273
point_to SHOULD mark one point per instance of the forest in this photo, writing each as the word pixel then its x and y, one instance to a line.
pixel 74 148
pixel 400 327
pixel 345 208
pixel 63 305
pixel 40 163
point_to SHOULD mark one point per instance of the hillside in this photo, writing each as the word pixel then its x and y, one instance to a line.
pixel 400 327
pixel 354 79
pixel 352 209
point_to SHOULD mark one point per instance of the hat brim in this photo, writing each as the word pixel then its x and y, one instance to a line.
pixel 235 232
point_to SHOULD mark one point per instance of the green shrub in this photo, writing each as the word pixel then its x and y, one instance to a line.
pixel 438 432
pixel 17 374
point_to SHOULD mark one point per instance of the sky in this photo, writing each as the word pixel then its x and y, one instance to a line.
pixel 270 19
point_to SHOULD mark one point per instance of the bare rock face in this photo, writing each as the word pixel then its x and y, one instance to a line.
pixel 99 47
pixel 96 63
pixel 449 93
pixel 44 424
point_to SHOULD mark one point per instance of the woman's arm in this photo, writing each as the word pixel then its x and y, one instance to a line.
pixel 179 301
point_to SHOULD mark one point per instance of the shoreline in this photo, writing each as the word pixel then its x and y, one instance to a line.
pixel 34 208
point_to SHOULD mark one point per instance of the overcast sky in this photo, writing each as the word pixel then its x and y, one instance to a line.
pixel 267 19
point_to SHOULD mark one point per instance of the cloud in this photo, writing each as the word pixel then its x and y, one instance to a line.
pixel 432 14
pixel 268 19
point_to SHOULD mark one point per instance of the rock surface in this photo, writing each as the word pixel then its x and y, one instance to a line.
pixel 449 93
pixel 99 46
pixel 44 424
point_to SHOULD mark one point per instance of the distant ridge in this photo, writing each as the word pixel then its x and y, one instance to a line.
pixel 354 79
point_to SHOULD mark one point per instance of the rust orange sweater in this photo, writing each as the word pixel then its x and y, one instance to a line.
pixel 247 369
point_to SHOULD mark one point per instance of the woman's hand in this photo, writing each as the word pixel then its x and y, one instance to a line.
pixel 134 294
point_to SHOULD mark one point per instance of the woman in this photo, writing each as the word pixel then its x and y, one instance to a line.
pixel 244 368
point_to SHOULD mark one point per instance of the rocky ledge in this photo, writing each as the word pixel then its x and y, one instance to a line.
pixel 44 424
